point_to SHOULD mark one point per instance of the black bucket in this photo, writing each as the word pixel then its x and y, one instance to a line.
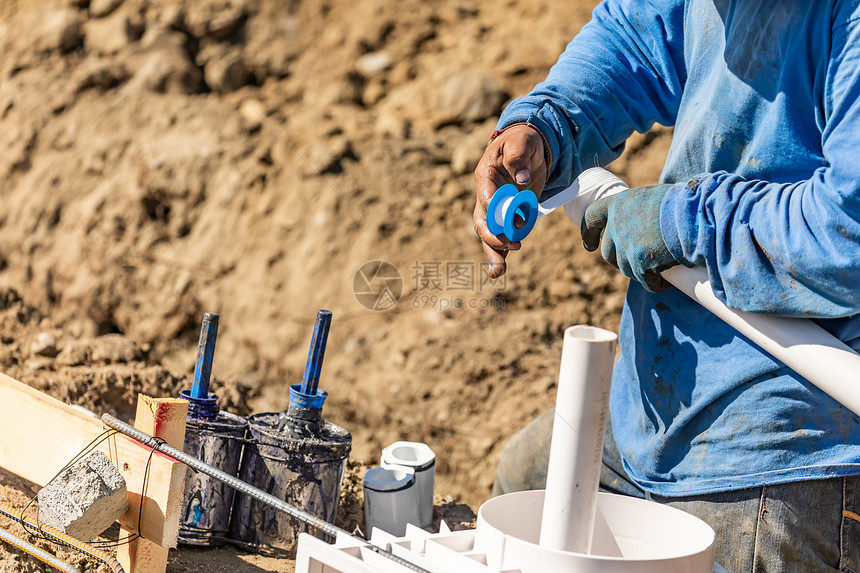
pixel 207 503
pixel 305 472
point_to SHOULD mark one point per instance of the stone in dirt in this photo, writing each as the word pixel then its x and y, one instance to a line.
pixel 467 153
pixel 108 35
pixel 101 8
pixel 472 96
pixel 253 113
pixel 45 344
pixel 227 73
pixel 162 66
pixel 373 64
pixel 85 499
pixel 60 30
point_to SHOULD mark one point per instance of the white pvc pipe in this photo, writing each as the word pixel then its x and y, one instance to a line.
pixel 576 450
pixel 591 185
pixel 390 499
pixel 799 343
pixel 422 460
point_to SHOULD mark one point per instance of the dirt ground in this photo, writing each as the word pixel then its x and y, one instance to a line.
pixel 165 158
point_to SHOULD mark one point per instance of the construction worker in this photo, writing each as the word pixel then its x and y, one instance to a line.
pixel 762 187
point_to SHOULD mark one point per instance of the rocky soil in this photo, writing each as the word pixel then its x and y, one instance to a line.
pixel 165 158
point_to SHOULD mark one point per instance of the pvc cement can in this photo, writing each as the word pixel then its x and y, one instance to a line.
pixel 422 460
pixel 390 499
pixel 207 502
pixel 303 471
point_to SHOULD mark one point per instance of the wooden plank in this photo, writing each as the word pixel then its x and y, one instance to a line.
pixel 164 418
pixel 164 489
pixel 142 556
pixel 39 435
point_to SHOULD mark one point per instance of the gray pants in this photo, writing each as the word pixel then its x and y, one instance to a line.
pixel 797 527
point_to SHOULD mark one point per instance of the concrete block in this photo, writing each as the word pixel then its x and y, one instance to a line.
pixel 85 499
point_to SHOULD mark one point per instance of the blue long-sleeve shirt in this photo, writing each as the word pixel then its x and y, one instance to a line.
pixel 765 161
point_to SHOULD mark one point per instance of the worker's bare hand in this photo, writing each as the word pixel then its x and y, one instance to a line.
pixel 515 156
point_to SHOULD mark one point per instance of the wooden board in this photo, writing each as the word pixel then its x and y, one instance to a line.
pixel 39 435
pixel 163 418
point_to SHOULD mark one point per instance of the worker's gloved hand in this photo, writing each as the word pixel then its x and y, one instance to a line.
pixel 626 227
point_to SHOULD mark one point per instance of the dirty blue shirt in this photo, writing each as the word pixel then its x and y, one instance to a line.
pixel 765 100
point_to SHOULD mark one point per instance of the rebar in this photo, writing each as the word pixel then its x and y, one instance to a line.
pixel 34 551
pixel 64 539
pixel 246 488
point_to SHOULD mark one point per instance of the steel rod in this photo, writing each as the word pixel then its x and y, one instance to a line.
pixel 64 539
pixel 246 488
pixel 39 554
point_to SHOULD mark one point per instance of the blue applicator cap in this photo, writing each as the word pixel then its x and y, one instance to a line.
pixel 300 400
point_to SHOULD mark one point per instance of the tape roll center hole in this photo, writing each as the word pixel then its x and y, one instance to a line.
pixel 521 217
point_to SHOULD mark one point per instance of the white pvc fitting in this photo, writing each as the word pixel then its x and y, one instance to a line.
pixel 631 536
pixel 576 451
pixel 390 500
pixel 422 460
pixel 591 185
pixel 799 343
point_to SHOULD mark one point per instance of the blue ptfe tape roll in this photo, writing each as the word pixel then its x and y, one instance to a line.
pixel 507 202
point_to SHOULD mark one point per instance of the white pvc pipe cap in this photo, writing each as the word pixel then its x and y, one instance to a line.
pixel 389 478
pixel 415 455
